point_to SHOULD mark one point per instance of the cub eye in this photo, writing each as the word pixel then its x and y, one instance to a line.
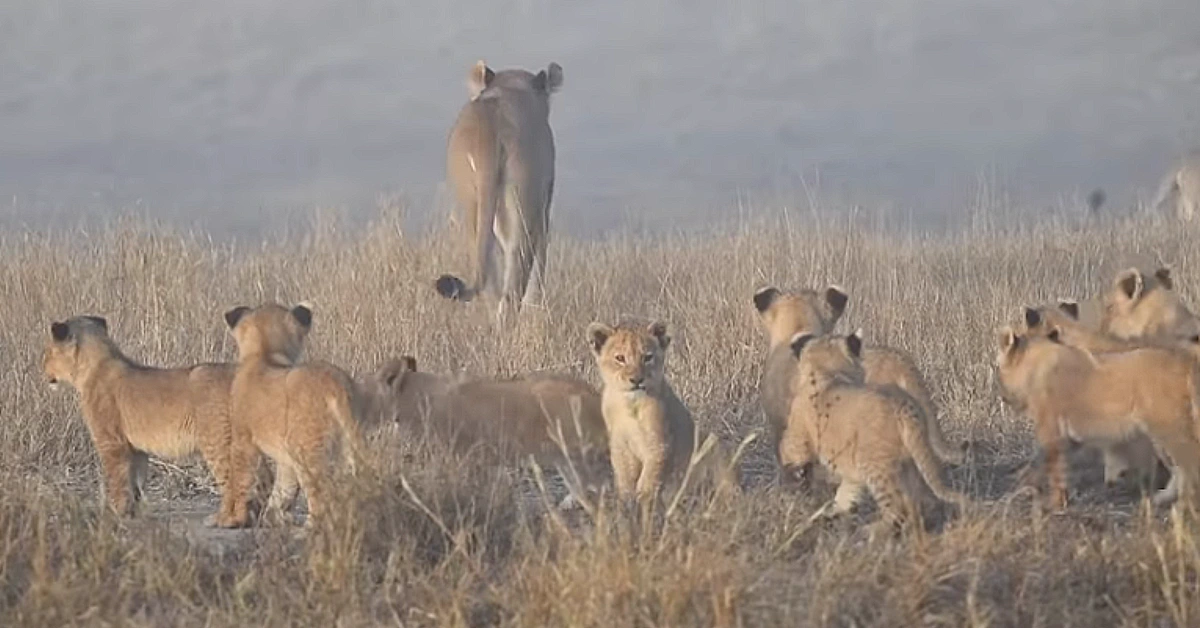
pixel 648 358
pixel 620 359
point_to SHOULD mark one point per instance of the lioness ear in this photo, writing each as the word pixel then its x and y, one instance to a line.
pixel 1129 282
pixel 799 341
pixel 303 315
pixel 764 297
pixel 99 320
pixel 598 334
pixel 837 300
pixel 1164 277
pixel 550 79
pixel 854 343
pixel 60 331
pixel 1033 318
pixel 479 78
pixel 659 331
pixel 1070 308
pixel 233 316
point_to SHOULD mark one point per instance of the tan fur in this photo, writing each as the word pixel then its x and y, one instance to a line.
pixel 133 411
pixel 651 435
pixel 863 432
pixel 784 315
pixel 1146 306
pixel 1135 455
pixel 1179 193
pixel 291 413
pixel 1071 394
pixel 520 416
pixel 500 162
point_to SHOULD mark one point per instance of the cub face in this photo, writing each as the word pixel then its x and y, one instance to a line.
pixel 630 357
pixel 270 330
pixel 62 360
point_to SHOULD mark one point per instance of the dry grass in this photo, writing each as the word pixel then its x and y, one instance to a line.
pixel 464 544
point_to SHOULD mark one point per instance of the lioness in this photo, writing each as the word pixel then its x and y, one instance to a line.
pixel 133 410
pixel 291 413
pixel 651 435
pixel 1140 306
pixel 784 315
pixel 1179 192
pixel 862 432
pixel 1070 393
pixel 500 162
pixel 520 416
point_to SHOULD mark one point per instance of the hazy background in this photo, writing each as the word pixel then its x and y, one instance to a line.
pixel 233 113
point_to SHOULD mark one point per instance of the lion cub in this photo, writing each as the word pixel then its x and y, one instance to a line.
pixel 133 410
pixel 651 435
pixel 862 432
pixel 519 416
pixel 1140 306
pixel 291 413
pixel 1072 394
pixel 784 315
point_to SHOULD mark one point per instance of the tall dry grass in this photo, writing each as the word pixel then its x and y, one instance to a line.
pixel 436 538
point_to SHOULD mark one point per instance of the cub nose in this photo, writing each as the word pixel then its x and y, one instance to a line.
pixel 637 381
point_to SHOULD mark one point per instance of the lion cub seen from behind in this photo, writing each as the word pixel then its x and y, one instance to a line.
pixel 133 410
pixel 651 435
pixel 864 433
pixel 291 413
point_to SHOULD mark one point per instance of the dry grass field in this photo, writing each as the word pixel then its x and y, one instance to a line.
pixel 430 537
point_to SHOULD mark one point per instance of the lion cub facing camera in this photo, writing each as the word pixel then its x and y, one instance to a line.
pixel 651 435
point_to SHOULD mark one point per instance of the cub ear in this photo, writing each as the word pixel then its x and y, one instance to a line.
pixel 392 374
pixel 799 341
pixel 303 315
pixel 99 320
pixel 598 334
pixel 1070 308
pixel 764 297
pixel 1130 283
pixel 550 79
pixel 479 78
pixel 60 331
pixel 854 343
pixel 837 300
pixel 233 316
pixel 1163 275
pixel 1033 318
pixel 1007 339
pixel 659 331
